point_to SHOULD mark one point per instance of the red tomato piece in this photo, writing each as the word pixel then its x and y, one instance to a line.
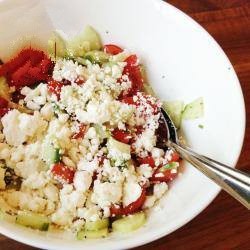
pixel 81 132
pixel 132 61
pixel 174 157
pixel 132 70
pixel 131 208
pixel 27 68
pixel 79 81
pixel 147 160
pixel 163 176
pixel 122 136
pixel 112 49
pixel 128 100
pixel 63 173
pixel 3 103
pixel 54 87
pixel 4 111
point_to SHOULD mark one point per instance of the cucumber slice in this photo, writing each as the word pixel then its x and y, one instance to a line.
pixel 194 110
pixel 118 152
pixel 96 225
pixel 56 46
pixel 118 146
pixel 92 234
pixel 121 57
pixel 7 217
pixel 174 109
pixel 98 57
pixel 81 61
pixel 86 41
pixel 35 221
pixel 4 88
pixel 50 154
pixel 129 223
pixel 102 133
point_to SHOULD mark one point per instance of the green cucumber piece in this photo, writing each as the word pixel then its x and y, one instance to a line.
pixel 7 217
pixel 101 132
pixel 118 146
pixel 97 57
pixel 85 234
pixel 57 46
pixel 174 109
pixel 35 221
pixel 86 41
pixel 81 61
pixel 129 223
pixel 50 154
pixel 4 88
pixel 121 57
pixel 96 225
pixel 194 110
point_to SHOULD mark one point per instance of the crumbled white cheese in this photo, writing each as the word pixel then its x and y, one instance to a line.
pixel 105 194
pixel 160 189
pixel 82 180
pixel 145 170
pixel 19 127
pixel 131 192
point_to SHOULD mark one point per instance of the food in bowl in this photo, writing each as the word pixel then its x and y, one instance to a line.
pixel 80 146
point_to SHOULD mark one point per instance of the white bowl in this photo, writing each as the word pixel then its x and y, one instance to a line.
pixel 183 62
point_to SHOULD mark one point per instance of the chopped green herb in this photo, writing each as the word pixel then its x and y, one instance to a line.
pixel 201 126
pixel 168 166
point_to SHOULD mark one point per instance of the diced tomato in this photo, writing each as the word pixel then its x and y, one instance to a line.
pixel 132 61
pixel 141 100
pixel 147 160
pixel 54 87
pixel 122 136
pixel 27 68
pixel 4 111
pixel 163 176
pixel 139 130
pixel 132 70
pixel 81 132
pixel 63 173
pixel 131 208
pixel 3 103
pixel 174 157
pixel 79 81
pixel 112 49
pixel 128 100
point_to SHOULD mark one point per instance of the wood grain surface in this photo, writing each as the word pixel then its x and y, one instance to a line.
pixel 224 224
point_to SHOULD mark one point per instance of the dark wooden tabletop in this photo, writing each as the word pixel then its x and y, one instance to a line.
pixel 225 224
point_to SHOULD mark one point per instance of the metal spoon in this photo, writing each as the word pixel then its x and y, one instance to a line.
pixel 233 181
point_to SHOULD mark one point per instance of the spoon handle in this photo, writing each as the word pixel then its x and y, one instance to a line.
pixel 233 181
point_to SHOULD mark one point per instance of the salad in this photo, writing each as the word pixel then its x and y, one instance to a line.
pixel 80 139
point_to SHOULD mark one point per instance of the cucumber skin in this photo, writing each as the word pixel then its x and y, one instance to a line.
pixel 85 234
pixel 129 223
pixel 34 221
pixel 97 57
pixel 96 225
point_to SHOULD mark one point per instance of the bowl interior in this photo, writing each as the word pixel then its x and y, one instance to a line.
pixel 183 62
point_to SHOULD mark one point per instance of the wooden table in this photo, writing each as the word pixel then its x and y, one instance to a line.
pixel 225 224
